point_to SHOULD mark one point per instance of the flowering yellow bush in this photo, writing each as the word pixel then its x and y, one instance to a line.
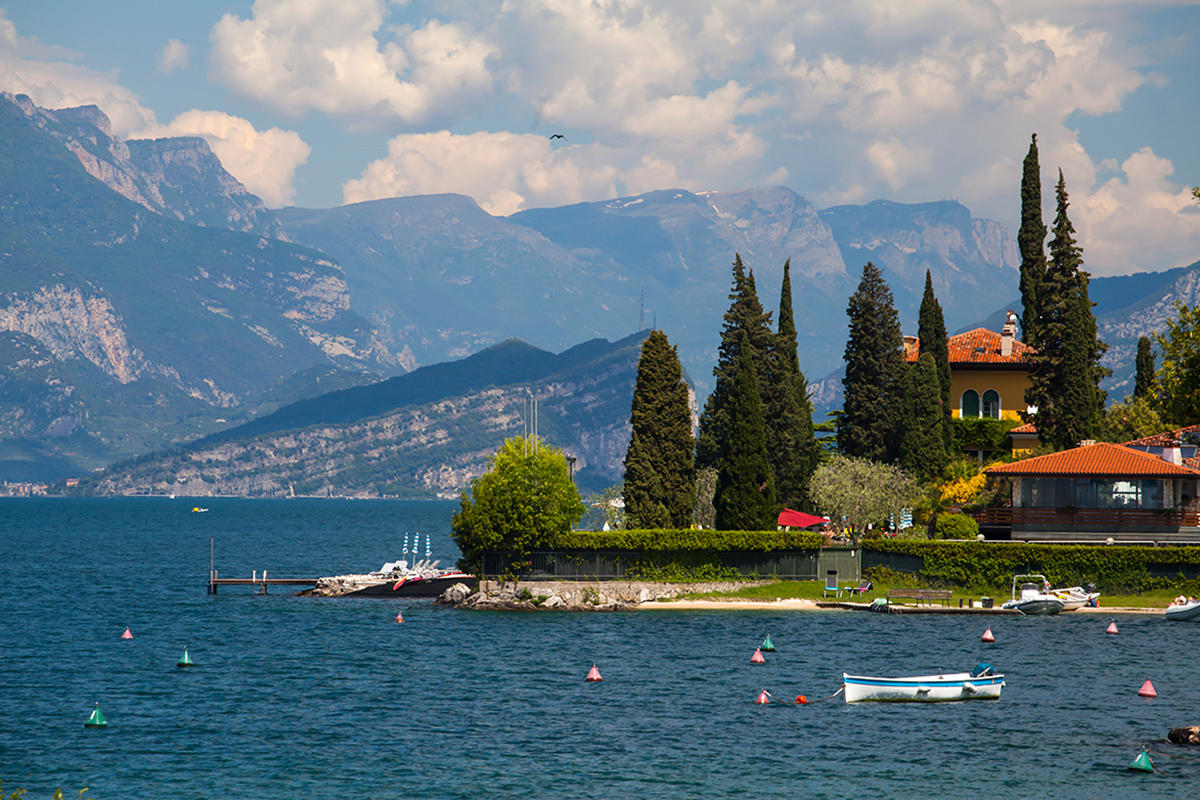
pixel 963 491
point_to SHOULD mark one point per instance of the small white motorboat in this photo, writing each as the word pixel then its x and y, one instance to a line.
pixel 980 684
pixel 1074 597
pixel 1035 599
pixel 1184 612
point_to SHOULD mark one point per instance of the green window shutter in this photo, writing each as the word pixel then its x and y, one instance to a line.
pixel 970 403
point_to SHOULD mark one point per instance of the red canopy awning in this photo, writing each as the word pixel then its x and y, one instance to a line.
pixel 798 519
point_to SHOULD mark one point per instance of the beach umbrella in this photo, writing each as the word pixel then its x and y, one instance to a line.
pixel 428 552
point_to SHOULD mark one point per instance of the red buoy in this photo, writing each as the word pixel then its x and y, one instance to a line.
pixel 757 658
pixel 801 699
pixel 763 698
pixel 987 636
pixel 127 634
pixel 399 616
pixel 593 675
pixel 1147 690
pixel 1112 627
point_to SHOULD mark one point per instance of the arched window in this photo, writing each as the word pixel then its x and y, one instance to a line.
pixel 970 403
pixel 991 404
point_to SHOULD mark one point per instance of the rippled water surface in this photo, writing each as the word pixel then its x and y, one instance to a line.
pixel 298 697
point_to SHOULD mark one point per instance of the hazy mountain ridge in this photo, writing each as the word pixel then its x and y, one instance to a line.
pixel 192 320
pixel 178 177
pixel 428 432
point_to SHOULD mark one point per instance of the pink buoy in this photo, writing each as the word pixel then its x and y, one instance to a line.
pixel 399 616
pixel 1147 690
pixel 127 634
pixel 1112 627
pixel 757 658
pixel 593 675
pixel 987 636
pixel 763 698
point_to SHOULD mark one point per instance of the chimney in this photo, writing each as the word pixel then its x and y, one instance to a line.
pixel 1172 455
pixel 1007 333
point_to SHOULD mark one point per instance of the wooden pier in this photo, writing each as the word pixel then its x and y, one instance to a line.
pixel 215 581
pixel 262 583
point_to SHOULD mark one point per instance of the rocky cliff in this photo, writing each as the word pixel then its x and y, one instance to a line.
pixel 432 439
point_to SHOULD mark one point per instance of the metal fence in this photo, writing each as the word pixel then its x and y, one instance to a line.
pixel 623 564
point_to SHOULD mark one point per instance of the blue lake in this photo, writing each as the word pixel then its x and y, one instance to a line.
pixel 301 697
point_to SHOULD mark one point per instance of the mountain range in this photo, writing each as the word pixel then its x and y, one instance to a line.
pixel 149 301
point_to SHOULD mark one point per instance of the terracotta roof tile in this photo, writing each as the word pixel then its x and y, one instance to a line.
pixel 1027 427
pixel 1168 439
pixel 1100 460
pixel 977 347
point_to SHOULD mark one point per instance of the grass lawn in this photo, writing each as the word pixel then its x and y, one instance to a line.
pixel 815 590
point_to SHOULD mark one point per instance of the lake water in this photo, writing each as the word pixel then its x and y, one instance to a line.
pixel 303 698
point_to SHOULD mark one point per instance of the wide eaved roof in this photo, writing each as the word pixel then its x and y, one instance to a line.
pixel 980 347
pixel 1168 439
pixel 1097 460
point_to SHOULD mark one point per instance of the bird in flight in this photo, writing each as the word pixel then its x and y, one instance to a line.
pixel 557 136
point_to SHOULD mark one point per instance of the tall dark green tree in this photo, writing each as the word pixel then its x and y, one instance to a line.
pixel 1031 242
pixel 791 442
pixel 745 496
pixel 1065 379
pixel 745 314
pixel 660 476
pixel 931 334
pixel 870 424
pixel 1143 385
pixel 923 448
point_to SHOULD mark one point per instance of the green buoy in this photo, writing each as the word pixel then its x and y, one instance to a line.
pixel 1142 763
pixel 768 646
pixel 185 660
pixel 96 720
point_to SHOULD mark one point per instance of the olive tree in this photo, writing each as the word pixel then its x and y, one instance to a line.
pixel 861 491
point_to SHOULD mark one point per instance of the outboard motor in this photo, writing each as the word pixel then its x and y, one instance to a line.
pixel 982 670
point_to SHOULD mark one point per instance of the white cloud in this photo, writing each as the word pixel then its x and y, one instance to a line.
pixel 326 55
pixel 174 56
pixel 1141 215
pixel 28 67
pixel 264 161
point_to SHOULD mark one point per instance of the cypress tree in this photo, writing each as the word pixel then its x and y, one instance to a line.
pixel 1031 238
pixel 870 424
pixel 745 314
pixel 1064 381
pixel 923 449
pixel 931 334
pixel 1143 385
pixel 791 441
pixel 660 479
pixel 745 496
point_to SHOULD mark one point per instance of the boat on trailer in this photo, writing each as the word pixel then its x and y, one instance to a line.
pixel 979 684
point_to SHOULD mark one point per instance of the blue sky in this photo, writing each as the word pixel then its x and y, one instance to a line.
pixel 320 102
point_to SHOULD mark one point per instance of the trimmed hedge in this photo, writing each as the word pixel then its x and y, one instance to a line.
pixel 689 540
pixel 990 566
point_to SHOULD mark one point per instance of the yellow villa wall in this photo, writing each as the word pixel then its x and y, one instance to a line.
pixel 1009 384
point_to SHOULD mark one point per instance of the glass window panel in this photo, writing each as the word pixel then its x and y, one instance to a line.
pixel 991 404
pixel 970 403
pixel 1152 494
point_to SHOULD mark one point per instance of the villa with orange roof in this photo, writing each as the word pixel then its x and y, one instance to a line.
pixel 989 373
pixel 1100 491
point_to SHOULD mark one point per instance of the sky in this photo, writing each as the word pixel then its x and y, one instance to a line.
pixel 323 102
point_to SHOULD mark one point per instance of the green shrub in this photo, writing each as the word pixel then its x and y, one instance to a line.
pixel 688 540
pixel 1117 569
pixel 955 526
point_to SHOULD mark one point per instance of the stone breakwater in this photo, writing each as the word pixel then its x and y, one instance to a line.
pixel 341 585
pixel 576 595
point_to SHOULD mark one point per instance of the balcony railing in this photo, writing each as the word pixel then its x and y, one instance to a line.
pixel 1096 519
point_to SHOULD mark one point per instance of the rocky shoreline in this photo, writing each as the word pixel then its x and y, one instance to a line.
pixel 576 595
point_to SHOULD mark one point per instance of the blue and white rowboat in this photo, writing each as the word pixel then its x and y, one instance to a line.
pixel 981 684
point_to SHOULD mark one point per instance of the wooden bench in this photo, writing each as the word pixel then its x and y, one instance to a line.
pixel 920 595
